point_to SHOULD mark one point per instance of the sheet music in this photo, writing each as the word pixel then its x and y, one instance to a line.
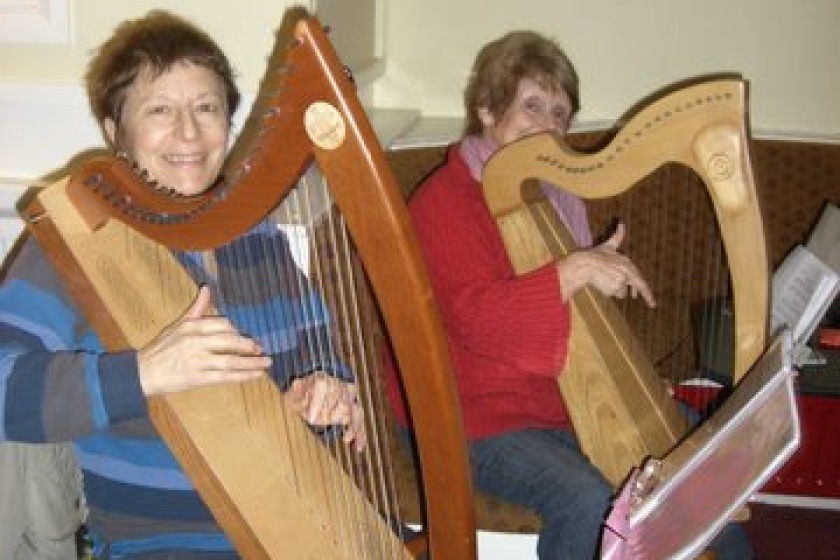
pixel 803 288
pixel 823 241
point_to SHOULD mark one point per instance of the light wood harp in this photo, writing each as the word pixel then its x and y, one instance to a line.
pixel 276 488
pixel 619 404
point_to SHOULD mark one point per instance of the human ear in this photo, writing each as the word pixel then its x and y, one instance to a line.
pixel 110 128
pixel 485 116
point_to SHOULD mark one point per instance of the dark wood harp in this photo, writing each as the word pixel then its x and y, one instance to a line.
pixel 620 407
pixel 110 236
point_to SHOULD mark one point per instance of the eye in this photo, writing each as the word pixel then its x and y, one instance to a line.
pixel 158 110
pixel 209 107
pixel 533 105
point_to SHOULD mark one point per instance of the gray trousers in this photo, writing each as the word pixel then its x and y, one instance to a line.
pixel 41 502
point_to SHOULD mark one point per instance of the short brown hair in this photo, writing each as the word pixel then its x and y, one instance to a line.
pixel 156 41
pixel 501 64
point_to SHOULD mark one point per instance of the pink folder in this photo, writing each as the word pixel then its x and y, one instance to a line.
pixel 674 506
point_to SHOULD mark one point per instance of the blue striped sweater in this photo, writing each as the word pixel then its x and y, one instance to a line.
pixel 57 384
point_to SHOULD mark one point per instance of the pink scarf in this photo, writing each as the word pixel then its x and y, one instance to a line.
pixel 476 150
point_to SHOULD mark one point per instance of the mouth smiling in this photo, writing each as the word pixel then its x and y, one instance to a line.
pixel 179 159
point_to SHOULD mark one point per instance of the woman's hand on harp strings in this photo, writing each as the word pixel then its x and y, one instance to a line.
pixel 325 400
pixel 204 349
pixel 199 349
pixel 604 268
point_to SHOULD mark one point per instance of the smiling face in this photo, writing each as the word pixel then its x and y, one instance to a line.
pixel 175 126
pixel 533 109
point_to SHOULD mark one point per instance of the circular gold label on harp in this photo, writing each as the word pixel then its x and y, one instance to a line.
pixel 324 125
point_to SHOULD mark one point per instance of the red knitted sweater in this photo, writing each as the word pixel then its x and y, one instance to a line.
pixel 507 334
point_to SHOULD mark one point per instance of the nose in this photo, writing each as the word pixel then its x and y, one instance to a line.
pixel 544 122
pixel 187 124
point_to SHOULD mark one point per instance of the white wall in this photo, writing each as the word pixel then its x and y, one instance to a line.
pixel 43 110
pixel 243 29
pixel 624 50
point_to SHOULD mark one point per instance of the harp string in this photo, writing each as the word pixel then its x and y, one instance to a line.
pixel 372 472
pixel 316 257
pixel 679 249
pixel 336 272
pixel 301 217
pixel 251 288
pixel 322 259
pixel 377 468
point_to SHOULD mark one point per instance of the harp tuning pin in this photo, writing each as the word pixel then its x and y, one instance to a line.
pixel 93 181
pixel 34 217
